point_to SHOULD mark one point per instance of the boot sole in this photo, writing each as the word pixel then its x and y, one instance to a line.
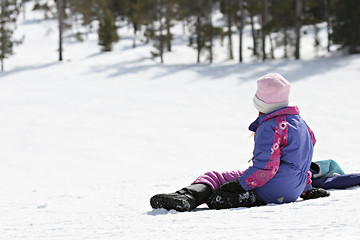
pixel 168 203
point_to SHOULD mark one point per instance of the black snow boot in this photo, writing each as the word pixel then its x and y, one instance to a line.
pixel 225 200
pixel 183 200
pixel 315 193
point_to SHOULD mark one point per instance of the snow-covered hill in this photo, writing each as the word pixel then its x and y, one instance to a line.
pixel 86 142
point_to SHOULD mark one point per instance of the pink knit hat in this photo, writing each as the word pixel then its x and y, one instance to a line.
pixel 272 93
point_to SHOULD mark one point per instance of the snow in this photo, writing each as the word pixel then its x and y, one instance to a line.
pixel 86 142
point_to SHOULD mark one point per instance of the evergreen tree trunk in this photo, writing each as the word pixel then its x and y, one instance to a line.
pixel 60 19
pixel 211 32
pixel 168 26
pixel 286 55
pixel 161 40
pixel 264 27
pixel 271 47
pixel 198 40
pixel 229 23
pixel 316 39
pixel 241 27
pixel 327 11
pixel 253 33
pixel 134 39
pixel 168 36
pixel 298 27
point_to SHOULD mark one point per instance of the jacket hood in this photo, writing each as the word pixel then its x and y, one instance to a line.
pixel 279 112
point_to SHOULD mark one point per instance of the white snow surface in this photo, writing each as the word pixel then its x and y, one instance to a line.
pixel 86 142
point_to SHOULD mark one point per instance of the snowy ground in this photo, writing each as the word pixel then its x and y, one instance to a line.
pixel 85 143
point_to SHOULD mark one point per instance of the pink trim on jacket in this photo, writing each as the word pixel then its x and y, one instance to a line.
pixel 262 176
pixel 313 139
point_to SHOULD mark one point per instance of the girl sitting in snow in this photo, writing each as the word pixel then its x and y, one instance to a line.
pixel 281 164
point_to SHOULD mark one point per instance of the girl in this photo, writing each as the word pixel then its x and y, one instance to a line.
pixel 282 156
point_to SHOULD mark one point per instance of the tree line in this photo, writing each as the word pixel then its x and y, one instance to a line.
pixel 273 23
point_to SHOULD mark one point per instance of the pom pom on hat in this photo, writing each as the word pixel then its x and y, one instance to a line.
pixel 272 93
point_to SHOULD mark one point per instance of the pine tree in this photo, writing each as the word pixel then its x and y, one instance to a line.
pixel 198 18
pixel 120 8
pixel 107 31
pixel 9 11
pixel 134 17
pixel 298 28
pixel 315 12
pixel 159 34
pixel 171 8
pixel 45 7
pixel 60 6
pixel 264 27
pixel 229 9
pixel 346 25
pixel 84 10
pixel 241 24
pixel 254 9
pixel 158 17
pixel 283 18
pixel 327 4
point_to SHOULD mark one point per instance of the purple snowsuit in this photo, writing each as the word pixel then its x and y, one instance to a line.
pixel 282 156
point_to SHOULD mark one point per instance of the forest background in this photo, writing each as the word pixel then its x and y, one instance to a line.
pixel 274 24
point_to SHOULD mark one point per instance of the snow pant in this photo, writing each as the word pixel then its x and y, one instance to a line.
pixel 223 200
pixel 215 179
pixel 337 181
pixel 286 190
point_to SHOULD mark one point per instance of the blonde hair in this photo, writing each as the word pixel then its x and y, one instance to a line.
pixel 260 114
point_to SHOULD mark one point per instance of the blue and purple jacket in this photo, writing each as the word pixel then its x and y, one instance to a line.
pixel 282 156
